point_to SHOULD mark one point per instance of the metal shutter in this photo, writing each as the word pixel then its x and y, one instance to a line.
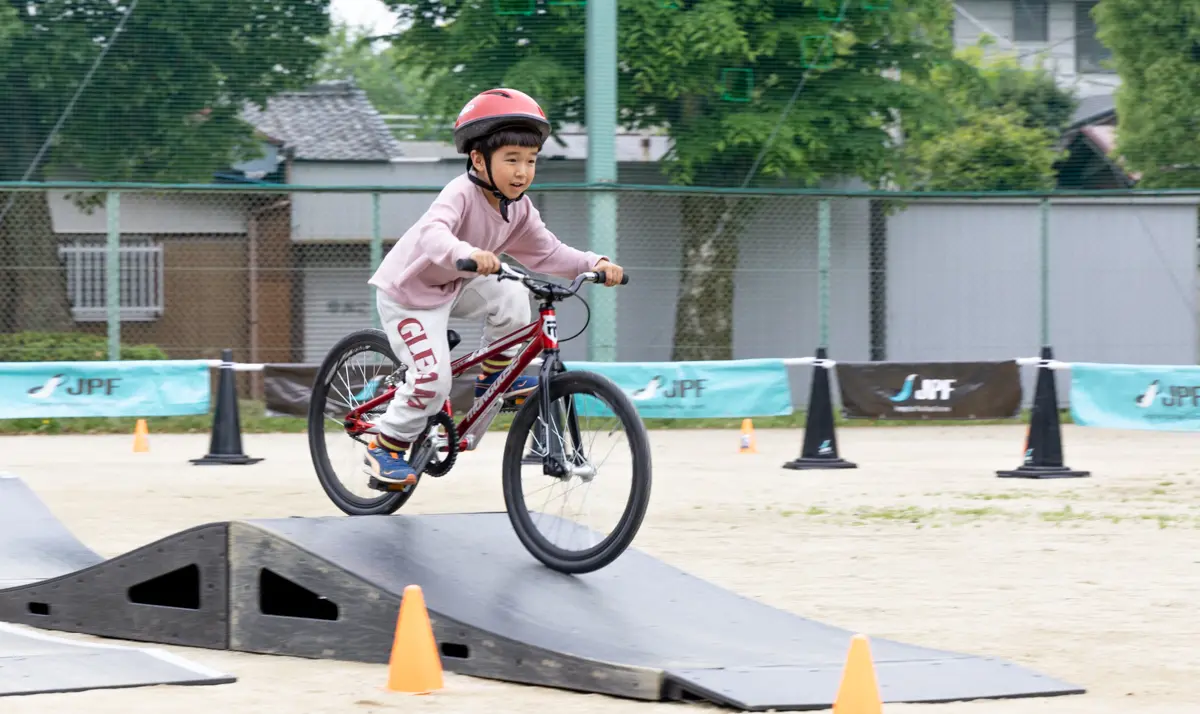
pixel 337 301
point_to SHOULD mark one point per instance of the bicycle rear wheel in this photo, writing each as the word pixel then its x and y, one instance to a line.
pixel 361 365
pixel 579 400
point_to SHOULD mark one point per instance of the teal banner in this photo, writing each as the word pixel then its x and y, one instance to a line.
pixel 696 390
pixel 1134 396
pixel 45 390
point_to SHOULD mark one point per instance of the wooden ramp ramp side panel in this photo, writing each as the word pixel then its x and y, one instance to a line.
pixel 286 600
pixel 172 591
pixel 36 663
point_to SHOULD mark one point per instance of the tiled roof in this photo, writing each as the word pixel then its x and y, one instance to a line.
pixel 330 121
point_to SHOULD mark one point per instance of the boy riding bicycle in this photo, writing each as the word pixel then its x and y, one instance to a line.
pixel 501 131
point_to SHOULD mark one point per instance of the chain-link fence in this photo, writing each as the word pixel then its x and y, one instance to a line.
pixel 280 276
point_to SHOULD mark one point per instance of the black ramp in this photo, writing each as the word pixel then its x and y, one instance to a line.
pixel 172 591
pixel 638 628
pixel 35 663
pixel 34 545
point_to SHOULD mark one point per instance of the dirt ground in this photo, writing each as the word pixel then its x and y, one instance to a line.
pixel 1094 581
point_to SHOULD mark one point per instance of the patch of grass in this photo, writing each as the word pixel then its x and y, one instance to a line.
pixel 1007 496
pixel 1066 513
pixel 912 514
pixel 978 512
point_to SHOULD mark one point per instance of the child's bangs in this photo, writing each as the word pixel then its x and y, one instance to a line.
pixel 511 137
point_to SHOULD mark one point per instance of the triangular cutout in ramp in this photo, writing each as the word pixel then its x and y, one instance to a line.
pixel 282 597
pixel 179 588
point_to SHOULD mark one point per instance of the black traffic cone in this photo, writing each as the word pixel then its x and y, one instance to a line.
pixel 820 450
pixel 225 446
pixel 1043 440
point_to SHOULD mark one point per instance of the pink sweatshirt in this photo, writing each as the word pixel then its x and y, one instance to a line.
pixel 419 273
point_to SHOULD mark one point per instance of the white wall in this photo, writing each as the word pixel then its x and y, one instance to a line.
pixel 154 214
pixel 337 217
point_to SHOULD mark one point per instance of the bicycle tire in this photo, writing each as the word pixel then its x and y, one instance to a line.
pixel 609 549
pixel 387 502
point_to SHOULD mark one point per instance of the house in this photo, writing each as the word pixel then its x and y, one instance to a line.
pixel 1090 141
pixel 202 271
pixel 1059 33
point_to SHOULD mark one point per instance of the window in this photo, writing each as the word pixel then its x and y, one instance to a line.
pixel 1089 52
pixel 85 260
pixel 1031 20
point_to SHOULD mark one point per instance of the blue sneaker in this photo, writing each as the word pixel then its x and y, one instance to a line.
pixel 521 387
pixel 389 466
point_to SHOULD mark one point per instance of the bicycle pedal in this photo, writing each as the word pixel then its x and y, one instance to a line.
pixel 385 486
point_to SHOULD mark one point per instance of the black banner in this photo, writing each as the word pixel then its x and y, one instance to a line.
pixel 930 390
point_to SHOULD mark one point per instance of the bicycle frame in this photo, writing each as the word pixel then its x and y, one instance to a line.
pixel 542 335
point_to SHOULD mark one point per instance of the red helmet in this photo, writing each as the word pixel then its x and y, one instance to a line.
pixel 496 108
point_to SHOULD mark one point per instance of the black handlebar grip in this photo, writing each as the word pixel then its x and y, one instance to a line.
pixel 602 278
pixel 467 265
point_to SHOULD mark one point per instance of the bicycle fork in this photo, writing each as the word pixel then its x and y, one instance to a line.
pixel 549 440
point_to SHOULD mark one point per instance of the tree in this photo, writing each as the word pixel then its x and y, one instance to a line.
pixel 163 105
pixel 1156 51
pixel 995 128
pixel 393 88
pixel 719 76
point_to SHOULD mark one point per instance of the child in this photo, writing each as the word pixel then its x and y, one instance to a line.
pixel 501 131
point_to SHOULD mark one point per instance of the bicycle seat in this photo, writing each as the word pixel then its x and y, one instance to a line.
pixel 453 338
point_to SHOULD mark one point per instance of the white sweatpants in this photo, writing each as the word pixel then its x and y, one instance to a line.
pixel 418 337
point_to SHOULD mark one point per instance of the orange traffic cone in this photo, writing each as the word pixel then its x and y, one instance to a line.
pixel 859 691
pixel 141 437
pixel 748 444
pixel 414 666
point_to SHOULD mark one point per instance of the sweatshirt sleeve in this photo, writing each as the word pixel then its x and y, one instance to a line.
pixel 540 250
pixel 437 240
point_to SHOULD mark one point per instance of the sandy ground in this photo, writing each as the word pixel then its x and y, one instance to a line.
pixel 1094 581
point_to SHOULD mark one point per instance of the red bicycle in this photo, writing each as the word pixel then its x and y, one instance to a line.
pixel 346 401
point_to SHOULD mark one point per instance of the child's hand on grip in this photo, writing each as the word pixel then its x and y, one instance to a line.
pixel 487 261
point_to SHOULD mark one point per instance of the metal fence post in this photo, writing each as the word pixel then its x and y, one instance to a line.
pixel 824 238
pixel 376 253
pixel 112 271
pixel 1044 240
pixel 601 81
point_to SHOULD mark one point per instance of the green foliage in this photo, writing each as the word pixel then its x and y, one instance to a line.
pixel 164 103
pixel 988 151
pixel 671 60
pixel 1156 51
pixel 995 128
pixel 393 88
pixel 67 347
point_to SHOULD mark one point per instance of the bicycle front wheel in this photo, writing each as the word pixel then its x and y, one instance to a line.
pixel 580 403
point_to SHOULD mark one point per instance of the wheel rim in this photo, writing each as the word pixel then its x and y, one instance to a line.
pixel 578 516
pixel 363 371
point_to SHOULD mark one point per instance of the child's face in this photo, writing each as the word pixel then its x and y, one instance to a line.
pixel 513 168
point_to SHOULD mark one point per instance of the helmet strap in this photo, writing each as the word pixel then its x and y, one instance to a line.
pixel 490 185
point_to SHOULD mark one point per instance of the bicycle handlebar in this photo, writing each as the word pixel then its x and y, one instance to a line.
pixel 469 265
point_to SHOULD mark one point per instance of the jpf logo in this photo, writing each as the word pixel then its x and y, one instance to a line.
pixel 676 389
pixel 931 389
pixel 82 386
